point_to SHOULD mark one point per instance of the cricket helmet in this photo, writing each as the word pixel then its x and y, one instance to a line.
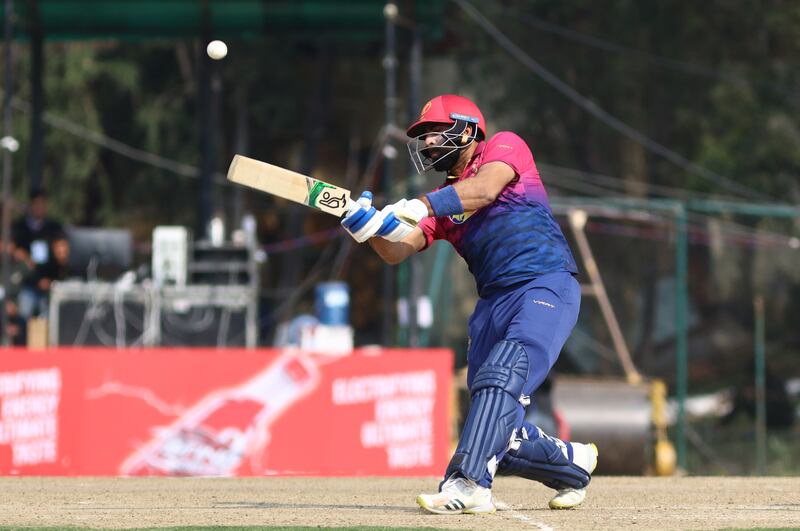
pixel 456 112
pixel 447 109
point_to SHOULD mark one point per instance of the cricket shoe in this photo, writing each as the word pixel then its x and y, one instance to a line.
pixel 585 456
pixel 458 495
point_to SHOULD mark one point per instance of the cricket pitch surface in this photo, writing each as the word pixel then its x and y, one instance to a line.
pixel 612 503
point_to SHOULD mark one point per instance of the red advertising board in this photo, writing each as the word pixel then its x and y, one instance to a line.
pixel 186 412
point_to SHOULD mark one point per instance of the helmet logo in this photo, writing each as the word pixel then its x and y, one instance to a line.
pixel 425 109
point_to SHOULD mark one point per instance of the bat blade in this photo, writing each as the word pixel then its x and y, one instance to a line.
pixel 289 185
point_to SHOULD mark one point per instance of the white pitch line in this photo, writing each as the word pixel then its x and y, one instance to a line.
pixel 508 510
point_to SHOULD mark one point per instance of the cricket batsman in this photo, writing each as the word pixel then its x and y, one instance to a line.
pixel 493 208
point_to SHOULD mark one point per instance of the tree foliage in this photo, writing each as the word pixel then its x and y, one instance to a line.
pixel 716 81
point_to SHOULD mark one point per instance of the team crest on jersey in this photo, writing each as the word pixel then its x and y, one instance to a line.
pixel 458 219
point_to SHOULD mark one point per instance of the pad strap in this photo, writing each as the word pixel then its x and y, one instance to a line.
pixel 494 415
pixel 544 459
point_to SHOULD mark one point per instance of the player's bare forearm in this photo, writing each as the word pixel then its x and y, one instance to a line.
pixel 396 252
pixel 482 189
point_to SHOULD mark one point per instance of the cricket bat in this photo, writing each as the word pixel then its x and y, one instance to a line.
pixel 289 185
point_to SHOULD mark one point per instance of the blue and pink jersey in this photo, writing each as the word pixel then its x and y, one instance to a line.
pixel 514 239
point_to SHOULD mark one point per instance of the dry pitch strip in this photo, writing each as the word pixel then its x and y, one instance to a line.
pixel 613 503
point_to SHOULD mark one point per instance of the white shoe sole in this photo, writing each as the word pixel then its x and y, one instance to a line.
pixel 488 508
pixel 569 498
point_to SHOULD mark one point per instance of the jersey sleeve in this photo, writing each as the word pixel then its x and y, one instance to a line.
pixel 430 230
pixel 509 148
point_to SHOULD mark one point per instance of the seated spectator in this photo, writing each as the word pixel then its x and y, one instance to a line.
pixel 34 296
pixel 15 325
pixel 33 235
pixel 18 272
pixel 17 275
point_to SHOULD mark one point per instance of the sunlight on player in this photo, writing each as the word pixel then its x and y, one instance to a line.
pixel 494 210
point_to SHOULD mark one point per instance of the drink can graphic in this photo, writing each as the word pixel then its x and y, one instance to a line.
pixel 215 436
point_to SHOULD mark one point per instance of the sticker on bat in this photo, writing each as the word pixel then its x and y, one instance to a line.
pixel 318 193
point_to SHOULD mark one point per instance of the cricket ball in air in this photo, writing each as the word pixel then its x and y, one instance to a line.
pixel 217 50
pixel 390 11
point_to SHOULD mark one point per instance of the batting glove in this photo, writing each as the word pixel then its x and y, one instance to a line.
pixel 393 229
pixel 400 219
pixel 362 221
pixel 410 211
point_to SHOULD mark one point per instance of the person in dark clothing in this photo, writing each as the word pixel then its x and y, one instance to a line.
pixel 33 235
pixel 55 268
pixel 15 325
pixel 19 271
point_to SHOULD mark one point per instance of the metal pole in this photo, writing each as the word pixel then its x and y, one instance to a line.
pixel 404 293
pixel 390 105
pixel 438 278
pixel 577 221
pixel 408 281
pixel 36 149
pixel 292 263
pixel 208 128
pixel 8 145
pixel 242 146
pixel 415 269
pixel 681 328
pixel 760 384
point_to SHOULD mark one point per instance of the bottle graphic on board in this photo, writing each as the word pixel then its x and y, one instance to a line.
pixel 213 437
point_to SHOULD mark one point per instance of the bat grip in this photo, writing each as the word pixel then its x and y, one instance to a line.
pixel 349 206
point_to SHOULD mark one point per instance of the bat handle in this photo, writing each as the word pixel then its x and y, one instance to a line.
pixel 349 206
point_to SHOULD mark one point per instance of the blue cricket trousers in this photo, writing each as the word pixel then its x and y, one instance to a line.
pixel 538 315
